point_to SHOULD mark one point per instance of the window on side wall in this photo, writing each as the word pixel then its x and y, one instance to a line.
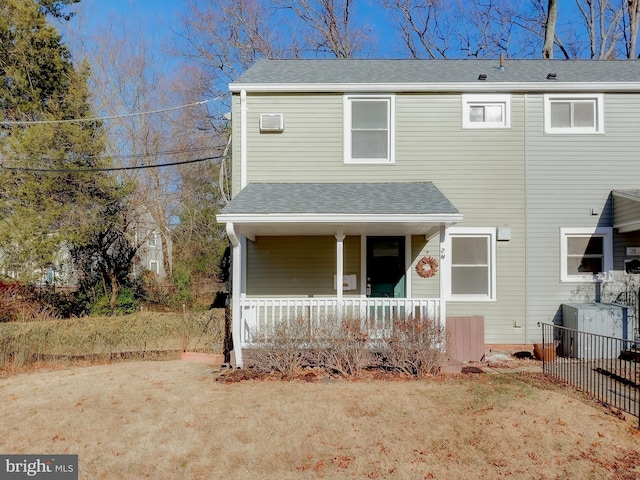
pixel 578 113
pixel 368 128
pixel 585 253
pixel 486 111
pixel 154 266
pixel 471 254
pixel 151 241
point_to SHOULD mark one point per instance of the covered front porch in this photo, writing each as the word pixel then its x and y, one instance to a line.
pixel 294 244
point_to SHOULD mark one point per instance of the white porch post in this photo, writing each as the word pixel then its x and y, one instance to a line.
pixel 236 293
pixel 444 277
pixel 339 266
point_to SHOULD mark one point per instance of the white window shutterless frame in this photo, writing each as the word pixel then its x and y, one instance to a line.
pixel 369 128
pixel 486 111
pixel 585 252
pixel 470 259
pixel 574 113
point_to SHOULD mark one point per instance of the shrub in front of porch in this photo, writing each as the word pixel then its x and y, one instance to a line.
pixel 415 347
pixel 348 345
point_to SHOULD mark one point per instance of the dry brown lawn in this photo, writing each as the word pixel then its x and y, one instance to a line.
pixel 172 420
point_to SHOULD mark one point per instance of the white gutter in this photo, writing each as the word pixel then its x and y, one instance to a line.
pixel 236 313
pixel 467 87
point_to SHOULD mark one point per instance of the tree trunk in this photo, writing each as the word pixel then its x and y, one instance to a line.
pixel 115 289
pixel 550 29
pixel 634 11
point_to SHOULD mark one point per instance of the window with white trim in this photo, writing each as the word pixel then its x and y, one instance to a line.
pixel 369 128
pixel 575 113
pixel 585 253
pixel 486 111
pixel 471 254
pixel 151 241
pixel 154 266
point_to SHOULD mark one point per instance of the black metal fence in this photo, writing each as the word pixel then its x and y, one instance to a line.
pixel 607 368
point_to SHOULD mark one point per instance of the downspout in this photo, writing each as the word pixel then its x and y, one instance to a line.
pixel 236 281
pixel 243 139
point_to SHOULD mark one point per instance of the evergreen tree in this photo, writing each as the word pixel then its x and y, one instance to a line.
pixel 54 191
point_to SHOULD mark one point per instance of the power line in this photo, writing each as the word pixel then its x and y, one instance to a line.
pixel 110 169
pixel 97 119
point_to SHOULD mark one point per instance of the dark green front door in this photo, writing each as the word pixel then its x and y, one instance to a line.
pixel 385 266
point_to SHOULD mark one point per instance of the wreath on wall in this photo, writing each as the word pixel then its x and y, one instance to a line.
pixel 427 267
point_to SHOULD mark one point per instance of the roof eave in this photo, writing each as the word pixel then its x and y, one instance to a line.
pixel 480 87
pixel 322 218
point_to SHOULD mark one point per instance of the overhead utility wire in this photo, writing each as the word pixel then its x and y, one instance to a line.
pixel 96 119
pixel 111 169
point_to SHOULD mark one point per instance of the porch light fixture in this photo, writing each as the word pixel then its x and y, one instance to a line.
pixel 552 76
pixel 482 76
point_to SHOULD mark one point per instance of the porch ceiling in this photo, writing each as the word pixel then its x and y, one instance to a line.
pixel 359 208
pixel 626 210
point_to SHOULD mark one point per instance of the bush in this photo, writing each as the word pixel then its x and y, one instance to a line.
pixel 140 335
pixel 21 303
pixel 414 346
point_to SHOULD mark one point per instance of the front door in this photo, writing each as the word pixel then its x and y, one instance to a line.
pixel 385 267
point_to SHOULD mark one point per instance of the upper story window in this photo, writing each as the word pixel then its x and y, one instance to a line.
pixel 368 128
pixel 151 241
pixel 486 111
pixel 575 113
pixel 585 253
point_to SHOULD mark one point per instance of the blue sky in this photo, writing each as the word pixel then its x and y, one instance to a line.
pixel 159 17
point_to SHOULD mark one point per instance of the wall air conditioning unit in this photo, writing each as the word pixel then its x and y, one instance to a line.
pixel 271 122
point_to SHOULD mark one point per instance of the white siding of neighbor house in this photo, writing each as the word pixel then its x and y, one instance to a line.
pixel 480 171
pixel 568 176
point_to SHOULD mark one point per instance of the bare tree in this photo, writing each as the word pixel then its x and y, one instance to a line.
pixel 630 27
pixel 550 29
pixel 330 26
pixel 428 29
pixel 602 20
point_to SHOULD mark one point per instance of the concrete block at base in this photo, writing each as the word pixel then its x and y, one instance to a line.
pixel 452 367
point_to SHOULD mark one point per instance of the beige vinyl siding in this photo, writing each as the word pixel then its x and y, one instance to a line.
pixel 424 287
pixel 298 266
pixel 480 171
pixel 568 176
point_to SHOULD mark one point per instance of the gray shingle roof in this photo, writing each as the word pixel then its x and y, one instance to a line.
pixel 341 71
pixel 341 198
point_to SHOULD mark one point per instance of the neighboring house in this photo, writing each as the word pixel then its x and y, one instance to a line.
pixel 150 256
pixel 144 232
pixel 519 178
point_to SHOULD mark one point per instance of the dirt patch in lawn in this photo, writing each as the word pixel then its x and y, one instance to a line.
pixel 172 420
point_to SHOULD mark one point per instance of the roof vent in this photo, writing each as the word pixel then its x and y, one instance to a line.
pixel 482 76
pixel 552 76
pixel 502 69
pixel 271 122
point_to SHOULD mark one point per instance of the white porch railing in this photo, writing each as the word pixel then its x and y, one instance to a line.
pixel 260 316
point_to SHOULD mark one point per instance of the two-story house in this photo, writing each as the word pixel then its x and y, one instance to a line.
pixel 442 187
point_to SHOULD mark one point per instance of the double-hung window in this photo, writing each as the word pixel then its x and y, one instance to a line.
pixel 154 266
pixel 471 255
pixel 368 128
pixel 575 113
pixel 585 253
pixel 486 111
